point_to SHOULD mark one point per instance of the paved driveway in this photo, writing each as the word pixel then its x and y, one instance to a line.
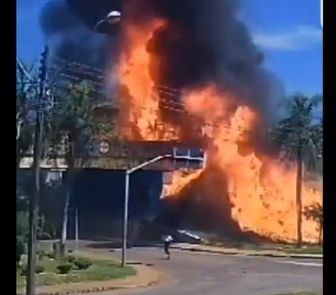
pixel 211 274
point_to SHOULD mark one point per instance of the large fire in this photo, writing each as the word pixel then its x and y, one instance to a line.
pixel 261 190
pixel 140 109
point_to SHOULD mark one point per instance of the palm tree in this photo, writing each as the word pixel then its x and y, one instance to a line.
pixel 300 139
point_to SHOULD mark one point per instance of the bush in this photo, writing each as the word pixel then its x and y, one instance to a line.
pixel 82 263
pixel 71 258
pixel 38 269
pixel 64 268
pixel 20 248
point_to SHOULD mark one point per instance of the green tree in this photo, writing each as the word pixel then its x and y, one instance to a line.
pixel 299 138
pixel 72 131
pixel 315 212
pixel 24 128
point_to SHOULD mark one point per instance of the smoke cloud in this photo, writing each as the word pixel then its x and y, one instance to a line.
pixel 212 44
pixel 204 42
pixel 206 37
pixel 69 37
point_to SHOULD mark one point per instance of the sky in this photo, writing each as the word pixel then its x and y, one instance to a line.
pixel 288 32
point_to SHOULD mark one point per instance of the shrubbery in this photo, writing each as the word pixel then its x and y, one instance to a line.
pixel 71 258
pixel 64 268
pixel 82 263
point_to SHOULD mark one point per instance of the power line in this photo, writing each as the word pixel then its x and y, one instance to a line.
pixel 169 98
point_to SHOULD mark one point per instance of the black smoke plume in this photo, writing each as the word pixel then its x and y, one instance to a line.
pixel 205 41
pixel 69 37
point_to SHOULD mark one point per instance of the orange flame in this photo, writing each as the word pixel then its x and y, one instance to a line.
pixel 262 203
pixel 140 109
pixel 261 190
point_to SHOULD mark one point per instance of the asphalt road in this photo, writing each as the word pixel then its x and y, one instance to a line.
pixel 210 274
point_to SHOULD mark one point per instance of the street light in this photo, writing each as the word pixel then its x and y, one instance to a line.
pixel 175 156
pixel 109 23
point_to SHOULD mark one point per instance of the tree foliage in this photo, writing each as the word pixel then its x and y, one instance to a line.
pixel 299 138
pixel 73 132
pixel 300 130
pixel 314 212
pixel 72 125
pixel 25 93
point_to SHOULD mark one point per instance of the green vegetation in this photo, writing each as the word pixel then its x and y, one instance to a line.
pixel 287 248
pixel 315 213
pixel 304 250
pixel 299 138
pixel 72 130
pixel 303 293
pixel 64 268
pixel 82 263
pixel 100 270
pixel 24 127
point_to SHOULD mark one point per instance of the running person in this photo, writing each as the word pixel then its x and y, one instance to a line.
pixel 167 241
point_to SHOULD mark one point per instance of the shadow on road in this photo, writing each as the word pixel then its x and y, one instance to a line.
pixel 117 245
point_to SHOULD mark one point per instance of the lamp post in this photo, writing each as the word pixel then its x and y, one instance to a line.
pixel 126 199
pixel 109 23
pixel 174 155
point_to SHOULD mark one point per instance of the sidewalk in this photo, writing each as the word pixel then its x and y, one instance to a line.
pixel 242 252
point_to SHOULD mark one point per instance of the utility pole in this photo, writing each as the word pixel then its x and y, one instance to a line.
pixel 33 204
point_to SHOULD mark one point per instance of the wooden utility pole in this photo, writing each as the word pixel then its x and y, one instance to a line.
pixel 33 204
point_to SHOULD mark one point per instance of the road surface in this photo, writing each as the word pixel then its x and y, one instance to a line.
pixel 211 274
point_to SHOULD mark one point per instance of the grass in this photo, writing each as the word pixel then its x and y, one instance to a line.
pixel 304 250
pixel 287 248
pixel 303 293
pixel 100 270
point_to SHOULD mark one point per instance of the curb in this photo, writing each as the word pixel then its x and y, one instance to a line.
pixel 274 255
pixel 95 289
pixel 92 290
pixel 109 285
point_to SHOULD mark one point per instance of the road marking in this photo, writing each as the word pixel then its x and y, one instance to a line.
pixel 302 263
